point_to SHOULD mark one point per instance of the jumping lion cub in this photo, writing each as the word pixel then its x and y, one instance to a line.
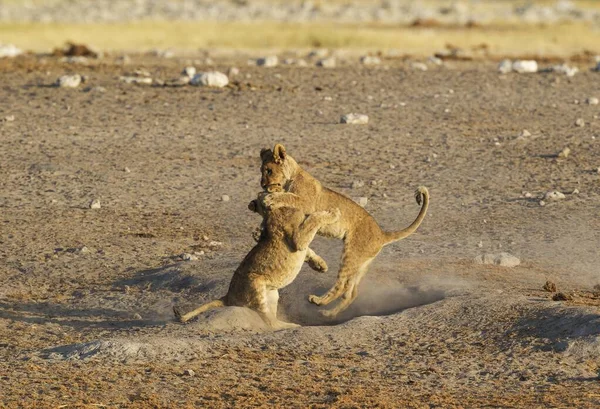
pixel 363 238
pixel 273 263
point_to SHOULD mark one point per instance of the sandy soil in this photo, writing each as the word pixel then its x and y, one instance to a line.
pixel 86 294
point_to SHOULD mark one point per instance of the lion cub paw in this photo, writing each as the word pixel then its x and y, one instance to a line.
pixel 318 264
pixel 315 299
pixel 334 215
pixel 271 201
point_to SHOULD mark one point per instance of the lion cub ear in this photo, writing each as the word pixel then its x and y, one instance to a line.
pixel 265 154
pixel 279 153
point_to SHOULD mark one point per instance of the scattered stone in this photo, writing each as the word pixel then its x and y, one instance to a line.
pixel 501 259
pixel 136 80
pixel 525 134
pixel 505 66
pixel 189 372
pixel 319 53
pixel 564 153
pixel 69 81
pixel 126 170
pixel 189 72
pixel 419 66
pixel 95 204
pixel 561 297
pixel 553 196
pixel 225 198
pixel 233 71
pixel 575 192
pixel 370 60
pixel 83 250
pixel 9 51
pixel 592 101
pixel 549 286
pixel 542 203
pixel 210 79
pixel 355 119
pixel 9 118
pixel 580 122
pixel 480 244
pixel 189 257
pixel 527 195
pixel 326 62
pixel 435 60
pixel 137 316
pixel 270 61
pixel 215 244
pixel 362 201
pixel 525 66
pixel 301 63
pixel 357 184
pixel 564 69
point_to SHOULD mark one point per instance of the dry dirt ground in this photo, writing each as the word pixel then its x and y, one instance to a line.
pixel 86 294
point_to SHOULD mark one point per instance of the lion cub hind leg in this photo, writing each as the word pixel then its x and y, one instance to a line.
pixel 266 306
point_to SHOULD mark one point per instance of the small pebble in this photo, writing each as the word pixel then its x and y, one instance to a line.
pixel 525 66
pixel 592 101
pixel 136 80
pixel 95 204
pixel 370 60
pixel 326 62
pixel 137 316
pixel 525 133
pixel 357 184
pixel 270 61
pixel 564 153
pixel 575 192
pixel 225 198
pixel 189 72
pixel 355 119
pixel 505 66
pixel 554 195
pixel 189 257
pixel 419 66
pixel 189 372
pixel 69 81
pixel 9 118
pixel 362 201
pixel 580 122
pixel 210 79
pixel 233 71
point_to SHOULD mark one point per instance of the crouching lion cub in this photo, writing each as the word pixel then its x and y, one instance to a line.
pixel 273 263
pixel 362 236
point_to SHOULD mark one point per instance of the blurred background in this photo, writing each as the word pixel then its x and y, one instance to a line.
pixel 498 28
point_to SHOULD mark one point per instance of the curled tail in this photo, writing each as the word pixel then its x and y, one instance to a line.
pixel 204 307
pixel 422 197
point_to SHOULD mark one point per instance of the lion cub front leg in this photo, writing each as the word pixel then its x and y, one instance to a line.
pixel 306 231
pixel 283 199
pixel 315 261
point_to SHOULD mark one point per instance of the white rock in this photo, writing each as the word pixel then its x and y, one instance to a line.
pixel 270 61
pixel 69 81
pixel 9 50
pixel 210 79
pixel 355 119
pixel 225 198
pixel 592 101
pixel 357 184
pixel 95 204
pixel 189 257
pixel 419 66
pixel 215 244
pixel 505 66
pixel 136 80
pixel 525 66
pixel 553 195
pixel 435 60
pixel 189 372
pixel 564 153
pixel 501 259
pixel 580 122
pixel 137 316
pixel 9 118
pixel 565 69
pixel 525 133
pixel 362 201
pixel 326 62
pixel 370 60
pixel 189 71
pixel 575 192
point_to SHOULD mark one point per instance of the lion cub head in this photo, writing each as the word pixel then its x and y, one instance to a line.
pixel 276 169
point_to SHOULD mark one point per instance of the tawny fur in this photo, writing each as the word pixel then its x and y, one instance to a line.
pixel 273 263
pixel 362 236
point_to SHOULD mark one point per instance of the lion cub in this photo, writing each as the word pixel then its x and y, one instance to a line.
pixel 273 263
pixel 362 236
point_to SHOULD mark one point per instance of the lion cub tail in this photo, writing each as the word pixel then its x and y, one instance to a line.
pixel 422 197
pixel 205 307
